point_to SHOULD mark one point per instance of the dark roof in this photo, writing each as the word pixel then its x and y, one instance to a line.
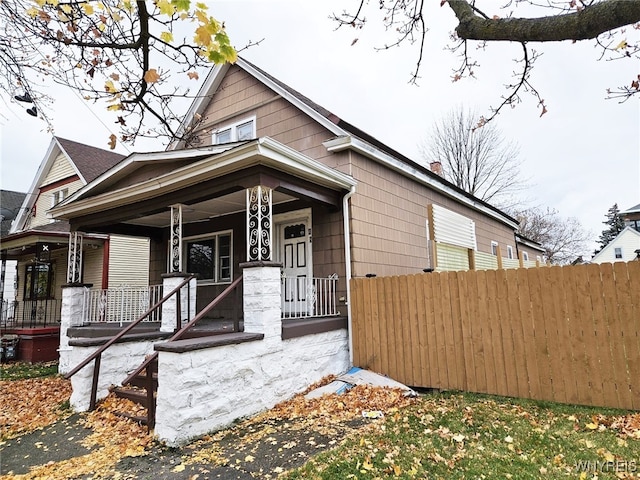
pixel 632 209
pixel 375 142
pixel 90 161
pixel 10 203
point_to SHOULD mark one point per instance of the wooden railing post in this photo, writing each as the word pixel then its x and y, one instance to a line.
pixel 178 311
pixel 94 383
pixel 152 368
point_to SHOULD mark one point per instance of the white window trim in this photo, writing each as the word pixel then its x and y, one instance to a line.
pixel 615 253
pixel 509 252
pixel 58 195
pixel 525 256
pixel 494 244
pixel 205 236
pixel 234 129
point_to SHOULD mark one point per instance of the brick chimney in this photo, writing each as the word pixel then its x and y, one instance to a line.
pixel 436 167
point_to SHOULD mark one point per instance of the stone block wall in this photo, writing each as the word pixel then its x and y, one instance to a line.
pixel 205 390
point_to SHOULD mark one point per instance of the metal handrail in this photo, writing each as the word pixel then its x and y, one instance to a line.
pixel 183 330
pixel 98 353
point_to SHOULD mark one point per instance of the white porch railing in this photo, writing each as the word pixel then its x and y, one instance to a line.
pixel 122 304
pixel 304 297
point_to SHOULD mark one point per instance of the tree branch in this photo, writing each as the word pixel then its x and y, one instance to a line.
pixel 585 24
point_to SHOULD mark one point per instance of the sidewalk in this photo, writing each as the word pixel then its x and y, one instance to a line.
pixel 252 449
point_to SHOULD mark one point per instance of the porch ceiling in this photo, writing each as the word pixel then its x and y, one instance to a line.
pixel 213 207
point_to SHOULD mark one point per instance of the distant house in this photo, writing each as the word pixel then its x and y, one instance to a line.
pixel 39 244
pixel 626 246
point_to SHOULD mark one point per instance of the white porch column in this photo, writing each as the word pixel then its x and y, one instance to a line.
pixel 187 301
pixel 262 299
pixel 72 314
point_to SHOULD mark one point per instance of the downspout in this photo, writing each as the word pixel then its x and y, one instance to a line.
pixel 347 261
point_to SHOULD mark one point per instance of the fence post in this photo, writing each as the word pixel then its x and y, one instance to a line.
pixel 472 258
pixel 499 255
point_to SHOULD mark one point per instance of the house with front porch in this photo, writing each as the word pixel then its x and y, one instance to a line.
pixel 270 196
pixel 39 247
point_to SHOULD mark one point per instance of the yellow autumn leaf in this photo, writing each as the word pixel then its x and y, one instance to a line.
pixel 166 37
pixel 178 468
pixel 151 76
pixel 165 7
pixel 32 12
pixel 622 45
pixel 87 8
pixel 202 6
pixel 41 2
pixel 249 458
pixel 591 426
pixel 397 470
pixel 367 465
pixel 109 86
pixel 117 106
pixel 53 2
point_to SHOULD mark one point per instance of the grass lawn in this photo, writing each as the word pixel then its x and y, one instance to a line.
pixel 22 371
pixel 456 436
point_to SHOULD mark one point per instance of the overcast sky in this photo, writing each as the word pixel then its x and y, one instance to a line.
pixel 581 157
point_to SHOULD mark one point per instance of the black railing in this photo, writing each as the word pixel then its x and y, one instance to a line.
pixel 30 313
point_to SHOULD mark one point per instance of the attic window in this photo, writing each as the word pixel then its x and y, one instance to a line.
pixel 618 252
pixel 58 196
pixel 237 132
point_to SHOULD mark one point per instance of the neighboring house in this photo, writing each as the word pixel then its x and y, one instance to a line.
pixel 626 245
pixel 10 203
pixel 631 217
pixel 39 244
pixel 337 201
pixel 624 248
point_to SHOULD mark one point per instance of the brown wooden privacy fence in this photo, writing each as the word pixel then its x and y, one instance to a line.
pixel 566 334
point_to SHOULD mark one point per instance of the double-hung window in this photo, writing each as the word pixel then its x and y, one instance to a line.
pixel 237 132
pixel 210 257
pixel 58 196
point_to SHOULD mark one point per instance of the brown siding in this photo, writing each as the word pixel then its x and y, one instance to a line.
pixel 388 221
pixel 240 95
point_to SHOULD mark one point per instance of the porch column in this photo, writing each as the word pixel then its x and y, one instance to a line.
pixel 187 302
pixel 74 264
pixel 261 299
pixel 259 224
pixel 175 264
pixel 72 314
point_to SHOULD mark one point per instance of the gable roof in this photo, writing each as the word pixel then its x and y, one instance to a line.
pixel 10 203
pixel 347 136
pixel 88 162
pixel 625 232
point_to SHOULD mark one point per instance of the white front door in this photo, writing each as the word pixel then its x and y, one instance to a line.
pixel 295 254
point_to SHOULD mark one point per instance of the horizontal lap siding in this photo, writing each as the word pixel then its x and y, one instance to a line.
pixel 45 202
pixel 565 334
pixel 128 261
pixel 60 169
pixel 388 221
